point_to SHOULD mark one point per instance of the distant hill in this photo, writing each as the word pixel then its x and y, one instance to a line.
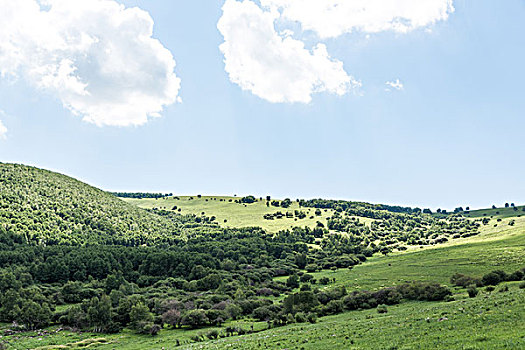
pixel 46 208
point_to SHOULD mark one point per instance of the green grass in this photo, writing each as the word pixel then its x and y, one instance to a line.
pixel 501 247
pixel 126 339
pixel 237 215
pixel 497 213
pixel 489 321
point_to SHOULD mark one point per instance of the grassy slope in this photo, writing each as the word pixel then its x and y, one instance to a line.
pixel 491 320
pixel 501 247
pixel 497 213
pixel 237 215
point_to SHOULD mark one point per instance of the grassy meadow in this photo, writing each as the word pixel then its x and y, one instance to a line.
pixel 235 214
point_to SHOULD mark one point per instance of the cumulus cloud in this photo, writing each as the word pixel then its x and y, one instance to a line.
pixel 98 57
pixel 395 84
pixel 332 18
pixel 273 65
pixel 276 65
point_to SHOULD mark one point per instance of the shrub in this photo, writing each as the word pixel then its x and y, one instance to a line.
pixel 423 291
pixel 300 317
pixel 389 296
pixel 195 318
pixel 461 280
pixel 522 285
pixel 312 318
pixel 472 291
pixel 381 309
pixel 493 278
pixel 213 334
pixel 333 307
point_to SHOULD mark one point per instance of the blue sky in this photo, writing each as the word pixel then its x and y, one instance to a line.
pixel 453 135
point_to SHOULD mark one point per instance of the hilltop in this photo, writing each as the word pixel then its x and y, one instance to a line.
pixel 41 207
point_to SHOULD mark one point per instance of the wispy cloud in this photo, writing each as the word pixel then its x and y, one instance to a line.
pixel 98 57
pixel 395 84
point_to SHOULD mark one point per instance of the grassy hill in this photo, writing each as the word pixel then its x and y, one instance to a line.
pixel 46 208
pixel 228 213
pixel 73 257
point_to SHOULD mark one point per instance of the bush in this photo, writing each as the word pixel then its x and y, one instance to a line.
pixel 195 318
pixel 213 334
pixel 300 317
pixel 464 281
pixel 424 291
pixel 493 278
pixel 522 285
pixel 381 309
pixel 472 291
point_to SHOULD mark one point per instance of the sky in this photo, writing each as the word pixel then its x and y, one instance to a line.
pixel 403 102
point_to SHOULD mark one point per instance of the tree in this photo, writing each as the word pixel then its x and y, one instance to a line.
pixel 286 203
pixel 140 316
pixel 99 313
pixel 300 260
pixel 195 318
pixel 293 281
pixel 34 315
pixel 172 317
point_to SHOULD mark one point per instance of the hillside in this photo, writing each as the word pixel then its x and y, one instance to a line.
pixel 486 321
pixel 229 213
pixel 46 208
pixel 380 227
pixel 80 267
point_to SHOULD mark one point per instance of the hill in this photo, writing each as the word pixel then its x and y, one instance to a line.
pixel 82 268
pixel 381 227
pixel 492 318
pixel 41 207
pixel 230 211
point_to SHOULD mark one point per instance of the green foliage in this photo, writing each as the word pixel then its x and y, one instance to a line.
pixel 472 291
pixel 46 208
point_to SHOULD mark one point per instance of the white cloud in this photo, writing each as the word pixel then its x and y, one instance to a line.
pixel 273 65
pixel 332 18
pixel 96 56
pixel 395 84
pixel 276 65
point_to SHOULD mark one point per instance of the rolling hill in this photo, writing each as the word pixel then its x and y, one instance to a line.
pixel 82 268
pixel 40 207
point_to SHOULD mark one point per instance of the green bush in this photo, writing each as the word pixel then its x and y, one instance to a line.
pixel 472 291
pixel 381 309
